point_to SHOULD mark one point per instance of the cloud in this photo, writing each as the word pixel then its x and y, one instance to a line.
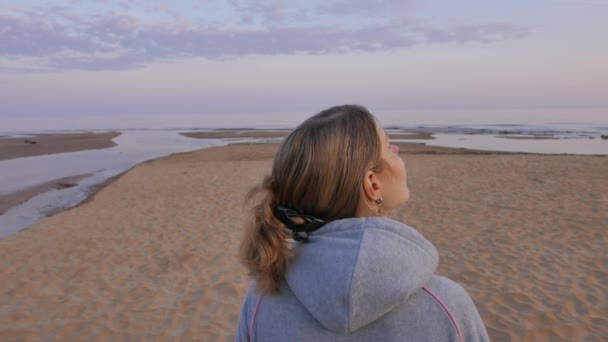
pixel 60 39
pixel 366 7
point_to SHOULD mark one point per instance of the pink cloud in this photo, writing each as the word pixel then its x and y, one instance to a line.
pixel 116 40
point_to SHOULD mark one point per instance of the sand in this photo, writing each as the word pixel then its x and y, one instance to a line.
pixel 40 144
pixel 412 136
pixel 153 254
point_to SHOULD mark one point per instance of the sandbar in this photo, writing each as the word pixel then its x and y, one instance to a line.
pixel 41 144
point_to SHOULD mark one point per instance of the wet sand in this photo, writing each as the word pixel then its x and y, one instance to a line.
pixel 412 136
pixel 14 199
pixel 41 144
pixel 537 137
pixel 422 148
pixel 153 254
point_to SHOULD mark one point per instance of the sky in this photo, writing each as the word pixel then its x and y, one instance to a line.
pixel 221 61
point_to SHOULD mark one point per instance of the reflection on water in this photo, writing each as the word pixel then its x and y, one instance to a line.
pixel 133 148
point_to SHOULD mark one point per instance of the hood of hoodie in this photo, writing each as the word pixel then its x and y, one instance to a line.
pixel 354 271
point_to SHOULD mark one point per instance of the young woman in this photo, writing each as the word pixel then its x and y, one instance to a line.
pixel 327 264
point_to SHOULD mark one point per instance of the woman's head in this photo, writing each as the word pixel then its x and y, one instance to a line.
pixel 337 164
pixel 318 168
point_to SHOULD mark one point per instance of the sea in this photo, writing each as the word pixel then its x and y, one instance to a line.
pixel 580 132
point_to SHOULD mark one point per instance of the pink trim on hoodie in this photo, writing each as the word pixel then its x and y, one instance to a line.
pixel 255 313
pixel 447 311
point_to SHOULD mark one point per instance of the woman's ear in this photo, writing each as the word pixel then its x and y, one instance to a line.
pixel 371 186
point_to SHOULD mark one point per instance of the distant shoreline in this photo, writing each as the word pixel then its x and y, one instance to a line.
pixel 52 143
pixel 244 134
pixel 14 199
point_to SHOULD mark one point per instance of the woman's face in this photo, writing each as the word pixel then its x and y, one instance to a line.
pixel 395 192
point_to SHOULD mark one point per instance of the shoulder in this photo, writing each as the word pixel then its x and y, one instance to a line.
pixel 450 294
pixel 449 290
pixel 251 297
pixel 249 302
pixel 459 306
pixel 247 315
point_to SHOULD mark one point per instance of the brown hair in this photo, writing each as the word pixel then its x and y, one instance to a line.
pixel 318 170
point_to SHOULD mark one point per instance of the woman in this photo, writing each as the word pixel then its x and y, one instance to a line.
pixel 327 265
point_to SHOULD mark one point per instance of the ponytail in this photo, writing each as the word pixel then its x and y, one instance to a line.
pixel 265 249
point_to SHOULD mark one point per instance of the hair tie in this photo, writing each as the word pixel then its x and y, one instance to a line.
pixel 299 231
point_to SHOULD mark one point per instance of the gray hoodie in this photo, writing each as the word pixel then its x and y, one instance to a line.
pixel 362 279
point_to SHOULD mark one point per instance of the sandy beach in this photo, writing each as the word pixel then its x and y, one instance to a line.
pixel 152 255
